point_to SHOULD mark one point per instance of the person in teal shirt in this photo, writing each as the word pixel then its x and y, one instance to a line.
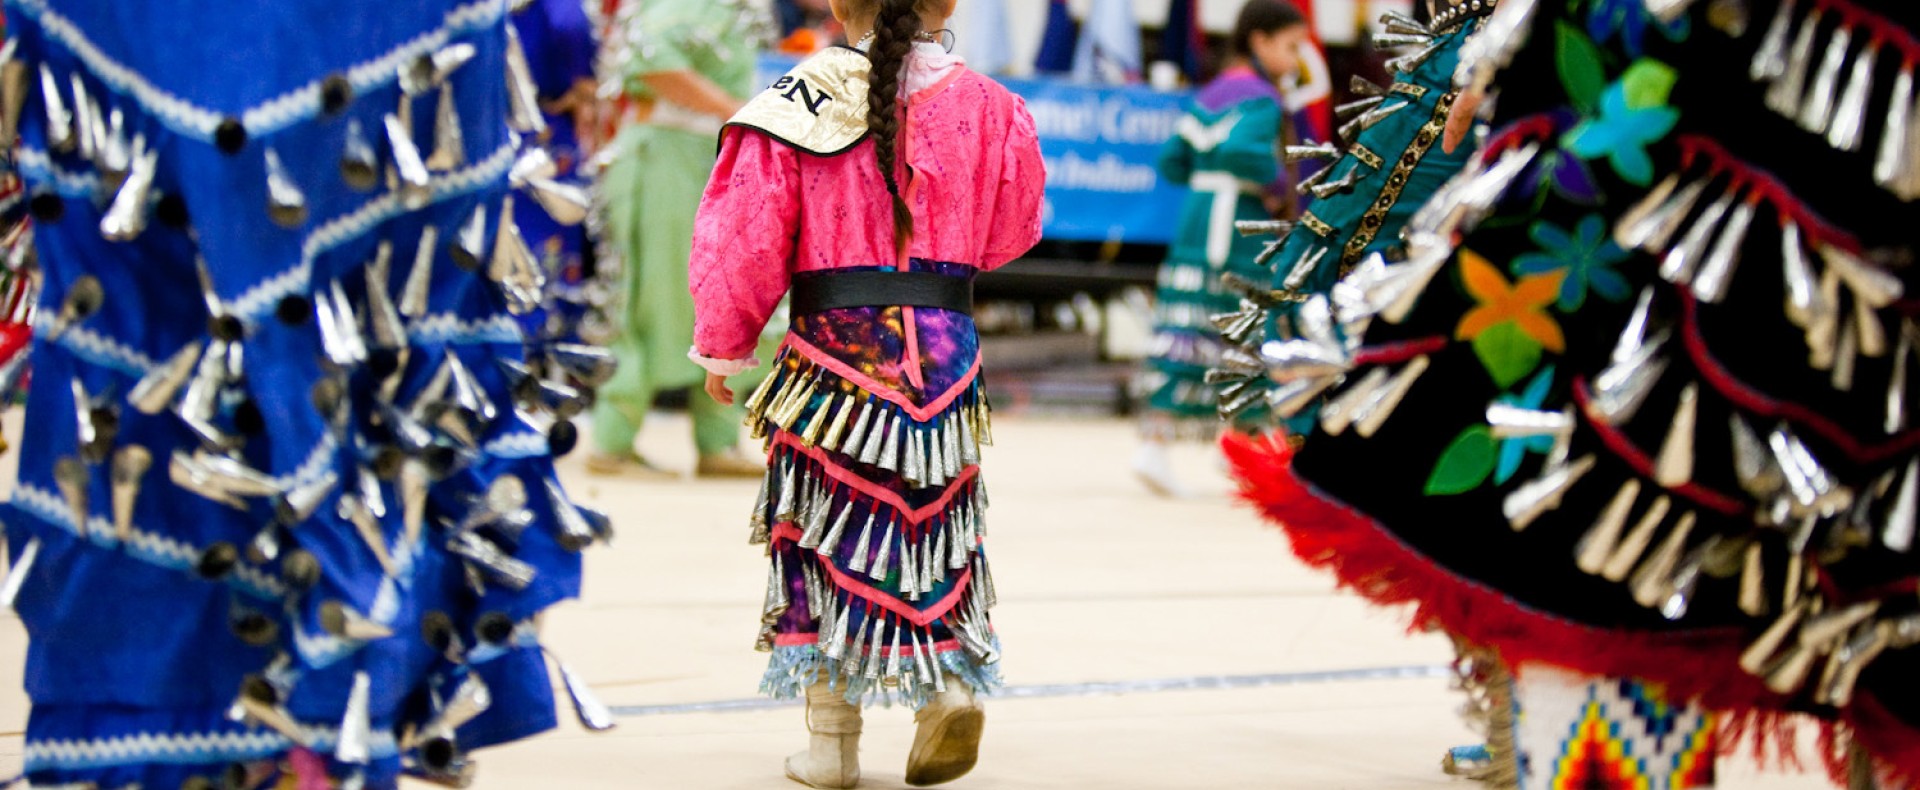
pixel 1227 151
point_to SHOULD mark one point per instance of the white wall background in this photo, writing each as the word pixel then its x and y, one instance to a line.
pixel 1338 20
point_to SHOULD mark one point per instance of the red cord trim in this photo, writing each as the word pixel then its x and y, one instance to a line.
pixel 1395 353
pixel 1719 161
pixel 1883 31
pixel 870 386
pixel 1753 400
pixel 853 480
pixel 1530 129
pixel 1643 464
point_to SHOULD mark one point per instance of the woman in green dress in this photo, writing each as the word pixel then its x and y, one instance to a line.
pixel 685 66
pixel 1227 151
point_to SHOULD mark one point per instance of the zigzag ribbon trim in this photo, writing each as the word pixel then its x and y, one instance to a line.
pixel 185 748
pixel 37 165
pixel 149 547
pixel 321 650
pixel 519 444
pixel 318 463
pixel 95 347
pixel 296 106
pixel 526 634
pixel 450 328
pixel 257 302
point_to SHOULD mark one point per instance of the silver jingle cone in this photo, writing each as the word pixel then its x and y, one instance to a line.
pixel 416 183
pixel 130 465
pixel 286 203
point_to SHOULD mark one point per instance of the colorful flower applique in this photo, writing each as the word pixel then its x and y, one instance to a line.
pixel 1586 257
pixel 1630 19
pixel 1513 451
pixel 1511 326
pixel 1632 114
pixel 1476 455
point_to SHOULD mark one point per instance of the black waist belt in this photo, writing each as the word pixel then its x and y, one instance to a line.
pixel 815 293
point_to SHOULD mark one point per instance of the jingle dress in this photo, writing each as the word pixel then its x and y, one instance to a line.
pixel 276 498
pixel 558 38
pixel 1391 163
pixel 872 503
pixel 1650 416
pixel 1227 151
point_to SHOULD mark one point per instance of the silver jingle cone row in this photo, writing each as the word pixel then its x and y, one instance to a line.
pixel 1315 353
pixel 1817 649
pixel 1494 45
pixel 821 409
pixel 1825 78
pixel 866 536
pixel 875 650
pixel 81 125
pixel 1838 297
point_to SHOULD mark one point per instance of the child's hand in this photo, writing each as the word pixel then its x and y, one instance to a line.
pixel 717 389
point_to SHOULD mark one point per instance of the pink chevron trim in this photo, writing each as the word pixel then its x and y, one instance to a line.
pixel 849 478
pixel 813 638
pixel 789 532
pixel 863 381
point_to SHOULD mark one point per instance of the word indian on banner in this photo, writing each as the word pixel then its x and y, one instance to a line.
pixel 1101 145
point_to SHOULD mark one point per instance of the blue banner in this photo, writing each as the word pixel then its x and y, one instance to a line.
pixel 1101 145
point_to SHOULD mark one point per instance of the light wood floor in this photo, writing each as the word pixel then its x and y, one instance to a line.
pixel 1100 583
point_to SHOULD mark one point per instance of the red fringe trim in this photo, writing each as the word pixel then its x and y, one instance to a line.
pixel 1696 665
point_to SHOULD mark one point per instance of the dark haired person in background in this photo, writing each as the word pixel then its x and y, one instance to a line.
pixel 1227 151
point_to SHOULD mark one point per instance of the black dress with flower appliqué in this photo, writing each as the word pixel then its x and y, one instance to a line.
pixel 1636 402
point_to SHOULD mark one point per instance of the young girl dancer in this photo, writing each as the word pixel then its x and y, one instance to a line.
pixel 872 182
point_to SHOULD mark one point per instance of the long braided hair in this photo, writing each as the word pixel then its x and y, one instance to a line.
pixel 895 26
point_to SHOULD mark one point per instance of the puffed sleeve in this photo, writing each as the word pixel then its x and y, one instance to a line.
pixel 743 239
pixel 1018 205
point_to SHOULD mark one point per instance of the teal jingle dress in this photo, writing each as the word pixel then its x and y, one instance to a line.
pixel 1226 150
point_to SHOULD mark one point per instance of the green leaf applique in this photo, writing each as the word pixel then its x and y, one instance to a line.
pixel 1466 463
pixel 1508 353
pixel 1579 61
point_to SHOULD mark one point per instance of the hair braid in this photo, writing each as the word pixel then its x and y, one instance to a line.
pixel 894 29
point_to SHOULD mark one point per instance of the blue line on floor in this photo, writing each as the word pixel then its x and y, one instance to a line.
pixel 1151 686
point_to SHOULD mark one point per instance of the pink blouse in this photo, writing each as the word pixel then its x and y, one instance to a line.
pixel 771 211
